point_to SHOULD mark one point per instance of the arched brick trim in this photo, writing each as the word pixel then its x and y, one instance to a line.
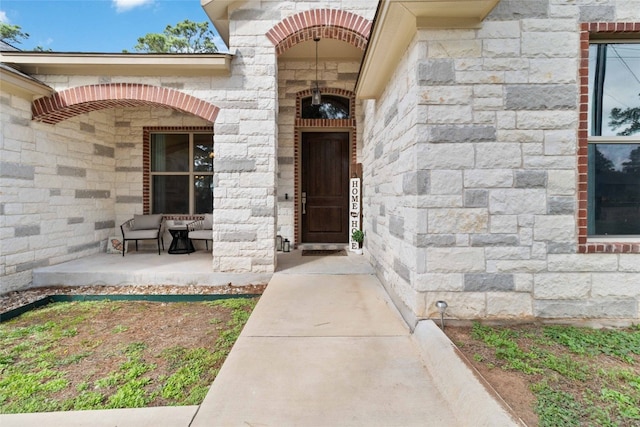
pixel 83 99
pixel 326 23
pixel 586 30
pixel 329 125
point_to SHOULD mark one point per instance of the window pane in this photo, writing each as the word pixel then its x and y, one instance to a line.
pixel 203 193
pixel 170 194
pixel 203 153
pixel 332 107
pixel 620 64
pixel 615 193
pixel 170 153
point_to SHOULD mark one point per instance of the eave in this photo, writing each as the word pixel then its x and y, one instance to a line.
pixel 395 25
pixel 17 83
pixel 218 13
pixel 106 64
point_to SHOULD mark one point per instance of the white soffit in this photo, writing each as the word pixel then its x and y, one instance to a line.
pixel 218 13
pixel 35 63
pixel 395 25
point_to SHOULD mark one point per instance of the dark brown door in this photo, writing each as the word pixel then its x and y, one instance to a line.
pixel 325 187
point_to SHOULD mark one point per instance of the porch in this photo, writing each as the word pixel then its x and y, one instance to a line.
pixel 149 268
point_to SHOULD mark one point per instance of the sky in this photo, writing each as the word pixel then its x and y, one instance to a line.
pixel 104 26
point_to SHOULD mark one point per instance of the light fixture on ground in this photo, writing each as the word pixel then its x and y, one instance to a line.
pixel 442 306
pixel 316 98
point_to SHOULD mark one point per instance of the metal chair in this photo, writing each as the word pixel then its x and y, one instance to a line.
pixel 143 227
pixel 202 229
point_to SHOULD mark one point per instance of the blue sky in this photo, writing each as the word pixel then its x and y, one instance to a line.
pixel 96 25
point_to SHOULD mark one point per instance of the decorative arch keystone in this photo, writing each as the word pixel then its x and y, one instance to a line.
pixel 327 23
pixel 84 99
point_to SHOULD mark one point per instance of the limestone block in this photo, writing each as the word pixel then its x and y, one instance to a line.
pixel 630 262
pixel 541 97
pixel 443 114
pixel 461 305
pixel 446 95
pixel 438 282
pixel 517 201
pixel 523 282
pixel 455 48
pixel 513 253
pixel 520 266
pixel 498 155
pixel 445 156
pixel 479 77
pixel 488 282
pixel 544 70
pixel 549 44
pixel 455 260
pixel 583 262
pixel 558 286
pixel 496 48
pixel 452 221
pixel 547 119
pixel 234 264
pixel 554 228
pixel 509 305
pixel 559 142
pixel 488 178
pixel 585 309
pixel 446 182
pixel 616 285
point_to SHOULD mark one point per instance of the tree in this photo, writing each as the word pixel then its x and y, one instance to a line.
pixel 185 37
pixel 12 33
pixel 620 117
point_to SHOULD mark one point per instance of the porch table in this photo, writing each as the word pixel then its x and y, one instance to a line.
pixel 180 241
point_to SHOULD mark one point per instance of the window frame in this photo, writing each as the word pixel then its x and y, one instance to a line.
pixel 594 33
pixel 149 173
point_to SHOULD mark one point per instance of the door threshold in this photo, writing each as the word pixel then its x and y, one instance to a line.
pixel 322 246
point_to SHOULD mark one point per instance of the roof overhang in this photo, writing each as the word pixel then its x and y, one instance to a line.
pixel 144 64
pixel 218 13
pixel 17 83
pixel 396 23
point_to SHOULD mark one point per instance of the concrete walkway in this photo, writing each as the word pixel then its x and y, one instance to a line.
pixel 323 348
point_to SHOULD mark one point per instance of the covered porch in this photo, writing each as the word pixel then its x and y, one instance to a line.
pixel 149 268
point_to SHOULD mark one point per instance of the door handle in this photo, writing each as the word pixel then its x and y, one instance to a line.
pixel 304 202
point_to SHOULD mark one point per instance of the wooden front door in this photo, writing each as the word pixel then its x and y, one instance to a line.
pixel 325 187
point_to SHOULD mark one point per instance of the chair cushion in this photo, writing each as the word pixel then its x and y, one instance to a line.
pixel 146 222
pixel 142 234
pixel 201 235
pixel 207 224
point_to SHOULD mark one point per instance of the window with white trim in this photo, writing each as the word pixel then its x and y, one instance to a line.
pixel 181 173
pixel 613 187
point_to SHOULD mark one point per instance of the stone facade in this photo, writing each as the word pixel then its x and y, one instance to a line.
pixel 470 172
pixel 471 186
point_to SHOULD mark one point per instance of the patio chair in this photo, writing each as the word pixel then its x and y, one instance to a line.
pixel 142 227
pixel 202 229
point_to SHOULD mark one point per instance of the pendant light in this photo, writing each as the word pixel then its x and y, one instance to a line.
pixel 316 98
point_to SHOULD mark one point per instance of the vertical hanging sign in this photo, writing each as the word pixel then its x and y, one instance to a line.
pixel 354 211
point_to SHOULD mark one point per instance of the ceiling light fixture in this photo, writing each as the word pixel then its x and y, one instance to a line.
pixel 316 98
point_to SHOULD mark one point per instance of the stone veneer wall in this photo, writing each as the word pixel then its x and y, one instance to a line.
pixel 58 189
pixel 470 172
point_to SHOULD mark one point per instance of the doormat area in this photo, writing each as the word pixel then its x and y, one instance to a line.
pixel 322 252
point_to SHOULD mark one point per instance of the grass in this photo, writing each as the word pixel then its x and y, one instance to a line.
pixel 54 358
pixel 579 376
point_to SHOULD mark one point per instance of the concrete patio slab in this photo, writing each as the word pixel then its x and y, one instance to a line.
pixel 141 268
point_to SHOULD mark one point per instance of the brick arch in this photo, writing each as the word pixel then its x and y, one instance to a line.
pixel 326 23
pixel 84 99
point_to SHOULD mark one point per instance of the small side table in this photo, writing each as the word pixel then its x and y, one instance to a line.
pixel 180 242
